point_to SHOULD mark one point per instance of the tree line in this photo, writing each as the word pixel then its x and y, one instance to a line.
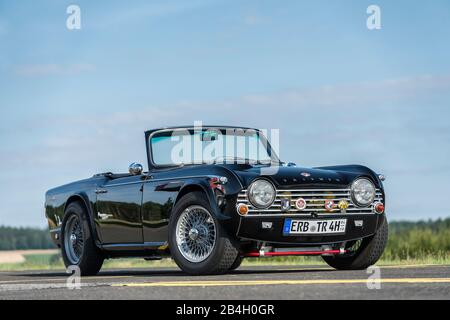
pixel 12 238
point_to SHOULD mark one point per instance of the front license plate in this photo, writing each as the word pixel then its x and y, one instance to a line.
pixel 303 227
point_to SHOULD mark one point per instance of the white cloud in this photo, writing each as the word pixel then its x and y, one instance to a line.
pixel 52 69
pixel 349 95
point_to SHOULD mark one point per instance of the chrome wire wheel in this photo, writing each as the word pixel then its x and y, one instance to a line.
pixel 73 239
pixel 196 234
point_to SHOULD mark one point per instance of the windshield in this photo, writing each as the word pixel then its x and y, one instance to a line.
pixel 207 146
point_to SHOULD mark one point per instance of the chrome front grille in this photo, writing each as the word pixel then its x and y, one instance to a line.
pixel 315 202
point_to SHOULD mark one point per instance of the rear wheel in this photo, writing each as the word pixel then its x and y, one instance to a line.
pixel 361 253
pixel 78 247
pixel 198 243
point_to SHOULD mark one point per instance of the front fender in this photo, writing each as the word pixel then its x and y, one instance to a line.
pixel 203 185
pixel 89 201
pixel 55 208
pixel 222 200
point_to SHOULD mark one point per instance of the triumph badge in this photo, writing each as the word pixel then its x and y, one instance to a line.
pixel 300 204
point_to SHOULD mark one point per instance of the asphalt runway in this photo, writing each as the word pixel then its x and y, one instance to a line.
pixel 267 283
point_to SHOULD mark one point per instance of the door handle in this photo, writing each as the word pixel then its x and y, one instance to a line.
pixel 100 191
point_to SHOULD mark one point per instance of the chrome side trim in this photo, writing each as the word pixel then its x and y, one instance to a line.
pixel 119 246
pixel 122 184
pixel 155 180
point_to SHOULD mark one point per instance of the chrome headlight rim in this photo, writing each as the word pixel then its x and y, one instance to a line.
pixel 252 202
pixel 352 192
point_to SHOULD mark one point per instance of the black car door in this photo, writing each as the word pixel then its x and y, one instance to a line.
pixel 160 193
pixel 118 215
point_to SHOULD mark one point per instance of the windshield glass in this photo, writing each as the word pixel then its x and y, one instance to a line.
pixel 189 146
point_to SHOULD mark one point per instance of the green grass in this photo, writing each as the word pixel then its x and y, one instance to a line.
pixel 418 244
pixel 54 262
pixel 35 262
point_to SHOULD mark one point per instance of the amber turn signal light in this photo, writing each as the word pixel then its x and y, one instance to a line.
pixel 379 207
pixel 242 209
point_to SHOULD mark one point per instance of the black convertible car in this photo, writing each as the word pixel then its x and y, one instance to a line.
pixel 213 196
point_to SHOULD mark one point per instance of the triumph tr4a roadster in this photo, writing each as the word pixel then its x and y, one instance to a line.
pixel 214 196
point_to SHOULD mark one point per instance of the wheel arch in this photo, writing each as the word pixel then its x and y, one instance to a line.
pixel 84 201
pixel 190 188
pixel 203 187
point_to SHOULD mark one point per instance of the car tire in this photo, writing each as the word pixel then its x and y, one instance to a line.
pixel 218 254
pixel 237 263
pixel 368 253
pixel 77 245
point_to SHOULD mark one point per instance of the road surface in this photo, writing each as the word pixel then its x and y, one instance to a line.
pixel 303 282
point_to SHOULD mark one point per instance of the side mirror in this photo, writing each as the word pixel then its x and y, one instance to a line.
pixel 135 169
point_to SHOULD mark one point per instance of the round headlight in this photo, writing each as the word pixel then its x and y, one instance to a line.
pixel 261 194
pixel 363 192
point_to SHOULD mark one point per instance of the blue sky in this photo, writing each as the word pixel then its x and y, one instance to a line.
pixel 77 102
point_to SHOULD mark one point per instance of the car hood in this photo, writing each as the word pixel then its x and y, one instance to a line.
pixel 290 177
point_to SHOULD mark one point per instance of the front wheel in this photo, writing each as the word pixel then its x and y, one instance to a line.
pixel 78 247
pixel 362 253
pixel 198 243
